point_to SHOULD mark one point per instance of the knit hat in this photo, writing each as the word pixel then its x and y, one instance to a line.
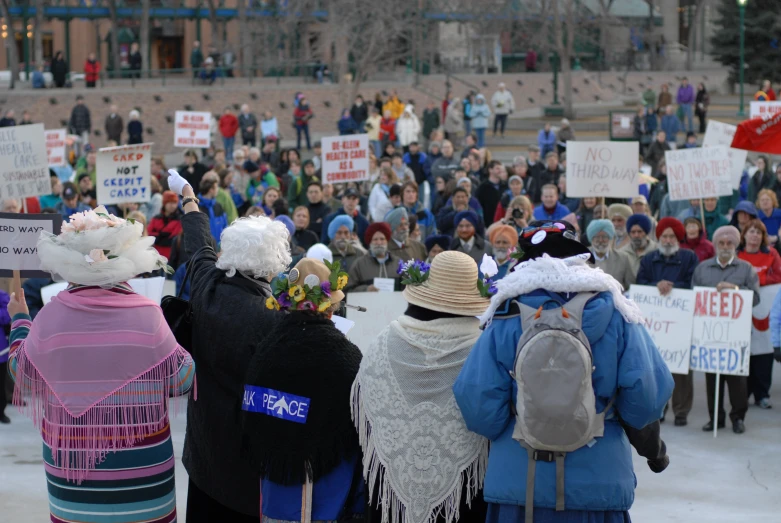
pixel 470 216
pixel 443 240
pixel 337 222
pixel 504 231
pixel 394 217
pixel 516 178
pixel 250 166
pixel 451 286
pixel 170 197
pixel 320 252
pixel 382 227
pixel 556 239
pixel 619 209
pixel 639 219
pixel 727 232
pixel 291 227
pixel 597 226
pixel 671 223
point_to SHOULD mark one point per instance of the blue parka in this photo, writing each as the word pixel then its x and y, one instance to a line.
pixel 627 366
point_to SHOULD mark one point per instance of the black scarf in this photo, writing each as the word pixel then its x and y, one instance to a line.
pixel 306 356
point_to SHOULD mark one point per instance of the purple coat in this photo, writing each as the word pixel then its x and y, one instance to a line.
pixel 5 319
pixel 686 94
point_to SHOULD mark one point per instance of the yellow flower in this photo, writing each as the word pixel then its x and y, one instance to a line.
pixel 272 303
pixel 324 306
pixel 297 293
pixel 341 282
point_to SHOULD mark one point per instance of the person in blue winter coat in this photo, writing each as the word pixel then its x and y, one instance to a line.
pixel 208 205
pixel 546 140
pixel 630 380
pixel 480 114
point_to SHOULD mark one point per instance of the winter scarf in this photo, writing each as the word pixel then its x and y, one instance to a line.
pixel 297 424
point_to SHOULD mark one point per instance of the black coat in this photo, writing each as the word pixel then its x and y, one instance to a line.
pixel 359 113
pixel 317 214
pixel 80 121
pixel 59 71
pixel 489 197
pixel 135 61
pixel 230 320
pixel 193 178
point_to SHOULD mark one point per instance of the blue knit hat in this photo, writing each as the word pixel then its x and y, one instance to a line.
pixel 291 228
pixel 394 217
pixel 597 226
pixel 470 216
pixel 337 222
pixel 639 219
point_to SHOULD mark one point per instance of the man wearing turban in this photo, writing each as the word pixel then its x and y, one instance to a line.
pixel 600 234
pixel 640 244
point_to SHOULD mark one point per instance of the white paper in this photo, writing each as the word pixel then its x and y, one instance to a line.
pixel 385 284
pixel 19 242
pixel 760 338
pixel 381 310
pixel 152 288
pixel 123 174
pixel 702 172
pixel 24 170
pixel 624 122
pixel 345 158
pixel 50 291
pixel 343 324
pixel 603 169
pixel 764 109
pixel 55 147
pixel 192 129
pixel 719 133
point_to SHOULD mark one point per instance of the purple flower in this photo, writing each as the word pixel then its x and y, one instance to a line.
pixel 492 289
pixel 422 266
pixel 306 305
pixel 284 299
pixel 326 288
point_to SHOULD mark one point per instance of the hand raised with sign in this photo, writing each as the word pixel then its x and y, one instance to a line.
pixel 175 182
pixel 17 304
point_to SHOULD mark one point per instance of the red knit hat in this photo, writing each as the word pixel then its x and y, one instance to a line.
pixel 170 197
pixel 382 227
pixel 671 223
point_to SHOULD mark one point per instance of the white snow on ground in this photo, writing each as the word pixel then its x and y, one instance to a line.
pixel 730 479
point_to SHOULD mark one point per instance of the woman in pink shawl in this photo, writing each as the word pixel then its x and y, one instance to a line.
pixel 96 368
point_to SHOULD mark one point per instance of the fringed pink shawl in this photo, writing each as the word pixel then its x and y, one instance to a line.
pixel 97 365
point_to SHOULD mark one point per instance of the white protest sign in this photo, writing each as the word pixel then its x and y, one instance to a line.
pixel 381 309
pixel 55 147
pixel 703 172
pixel 721 332
pixel 192 129
pixel 345 158
pixel 19 235
pixel 764 109
pixel 123 174
pixel 719 133
pixel 760 328
pixel 385 284
pixel 669 322
pixel 24 167
pixel 603 169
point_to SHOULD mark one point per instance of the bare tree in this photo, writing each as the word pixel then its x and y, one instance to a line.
pixel 144 38
pixel 10 43
pixel 565 44
pixel 115 57
pixel 698 12
pixel 215 25
pixel 38 34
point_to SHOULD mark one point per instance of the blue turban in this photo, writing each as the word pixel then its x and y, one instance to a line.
pixel 291 228
pixel 443 240
pixel 639 219
pixel 470 216
pixel 597 226
pixel 337 223
pixel 394 217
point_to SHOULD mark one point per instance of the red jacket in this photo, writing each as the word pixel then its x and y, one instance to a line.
pixel 229 125
pixel 165 230
pixel 445 105
pixel 767 264
pixel 91 71
pixel 302 115
pixel 388 129
pixel 702 247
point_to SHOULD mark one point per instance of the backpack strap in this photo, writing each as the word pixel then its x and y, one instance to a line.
pixel 574 307
pixel 533 456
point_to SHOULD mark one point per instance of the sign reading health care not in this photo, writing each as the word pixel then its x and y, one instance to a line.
pixel 123 174
pixel 603 169
pixel 704 172
pixel 24 166
pixel 721 332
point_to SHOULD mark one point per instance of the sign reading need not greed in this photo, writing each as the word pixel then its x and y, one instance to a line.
pixel 345 158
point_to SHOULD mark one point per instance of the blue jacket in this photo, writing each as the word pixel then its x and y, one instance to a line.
pixel 775 321
pixel 678 269
pixel 38 80
pixel 66 211
pixel 772 222
pixel 218 220
pixel 427 223
pixel 558 213
pixel 671 126
pixel 347 126
pixel 480 113
pixel 546 142
pixel 627 366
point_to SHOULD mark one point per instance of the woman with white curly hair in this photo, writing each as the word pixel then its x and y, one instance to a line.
pixel 229 316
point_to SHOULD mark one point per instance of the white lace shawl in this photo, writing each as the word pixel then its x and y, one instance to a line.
pixel 561 275
pixel 414 439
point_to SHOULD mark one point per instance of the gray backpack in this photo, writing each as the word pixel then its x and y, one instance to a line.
pixel 555 406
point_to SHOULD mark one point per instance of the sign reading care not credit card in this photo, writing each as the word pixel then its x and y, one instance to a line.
pixel 123 174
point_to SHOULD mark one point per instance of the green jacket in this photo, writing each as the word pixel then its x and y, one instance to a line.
pixel 224 199
pixel 296 193
pixel 196 57
pixel 649 97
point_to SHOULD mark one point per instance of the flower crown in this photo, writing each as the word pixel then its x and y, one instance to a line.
pixel 311 294
pixel 415 272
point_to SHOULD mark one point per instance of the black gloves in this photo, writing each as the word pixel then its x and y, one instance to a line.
pixel 777 354
pixel 658 465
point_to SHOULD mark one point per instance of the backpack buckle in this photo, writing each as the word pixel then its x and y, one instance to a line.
pixel 548 456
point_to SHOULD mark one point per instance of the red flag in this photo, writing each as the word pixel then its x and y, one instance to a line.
pixel 759 135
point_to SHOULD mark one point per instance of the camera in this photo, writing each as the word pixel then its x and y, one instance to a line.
pixel 517 214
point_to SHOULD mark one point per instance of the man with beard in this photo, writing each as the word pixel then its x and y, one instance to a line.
pixel 600 234
pixel 350 200
pixel 668 268
pixel 639 227
pixel 619 213
pixel 469 238
pixel 340 232
pixel 504 240
pixel 378 263
pixel 400 244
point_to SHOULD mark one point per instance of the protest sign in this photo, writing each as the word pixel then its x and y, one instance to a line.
pixel 669 322
pixel 759 135
pixel 603 169
pixel 721 333
pixel 703 172
pixel 19 235
pixel 381 309
pixel 719 133
pixel 345 158
pixel 760 331
pixel 192 129
pixel 55 147
pixel 123 174
pixel 24 167
pixel 764 109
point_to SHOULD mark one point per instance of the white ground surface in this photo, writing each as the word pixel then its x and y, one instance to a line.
pixel 730 479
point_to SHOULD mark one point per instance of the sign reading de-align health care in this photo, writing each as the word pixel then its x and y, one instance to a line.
pixel 192 129
pixel 721 332
pixel 764 109
pixel 24 167
pixel 720 133
pixel 123 174
pixel 704 172
pixel 19 235
pixel 55 147
pixel 603 169
pixel 345 158
pixel 669 322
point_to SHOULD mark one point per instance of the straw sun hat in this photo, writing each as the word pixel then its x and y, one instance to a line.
pixel 451 286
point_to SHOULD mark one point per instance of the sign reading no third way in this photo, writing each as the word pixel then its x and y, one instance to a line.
pixel 603 169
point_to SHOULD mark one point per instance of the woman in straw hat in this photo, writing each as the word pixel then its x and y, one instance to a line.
pixel 420 461
pixel 97 367
pixel 296 402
